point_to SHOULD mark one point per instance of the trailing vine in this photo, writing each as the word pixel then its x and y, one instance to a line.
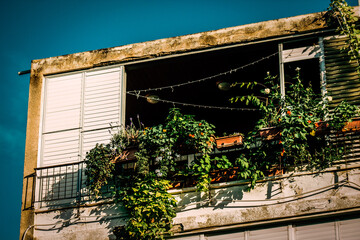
pixel 99 167
pixel 342 16
pixel 143 191
pixel 151 208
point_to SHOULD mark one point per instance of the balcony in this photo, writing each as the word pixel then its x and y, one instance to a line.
pixel 65 185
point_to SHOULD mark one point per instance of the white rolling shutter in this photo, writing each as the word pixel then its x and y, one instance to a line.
pixel 102 105
pixel 79 110
pixel 320 231
pixel 62 117
pixel 276 233
pixel 228 236
pixel 350 229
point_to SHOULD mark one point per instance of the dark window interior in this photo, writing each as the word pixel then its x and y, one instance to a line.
pixel 309 73
pixel 165 72
pixel 309 69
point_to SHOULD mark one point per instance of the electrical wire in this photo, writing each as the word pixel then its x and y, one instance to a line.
pixel 297 196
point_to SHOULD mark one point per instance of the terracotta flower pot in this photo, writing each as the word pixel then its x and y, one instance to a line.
pixel 270 133
pixel 229 141
pixel 322 128
pixel 127 155
pixel 353 126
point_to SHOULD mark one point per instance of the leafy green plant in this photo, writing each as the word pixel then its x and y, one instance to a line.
pixel 150 206
pixel 342 16
pixel 99 167
pixel 127 136
pixel 181 134
pixel 298 117
pixel 343 113
pixel 143 191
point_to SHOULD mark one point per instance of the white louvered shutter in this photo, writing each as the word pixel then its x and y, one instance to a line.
pixel 102 106
pixel 61 122
pixel 275 233
pixel 350 229
pixel 228 236
pixel 320 231
pixel 80 110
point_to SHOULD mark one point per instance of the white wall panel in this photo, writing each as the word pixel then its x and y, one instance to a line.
pixel 228 236
pixel 91 138
pixel 79 107
pixel 80 110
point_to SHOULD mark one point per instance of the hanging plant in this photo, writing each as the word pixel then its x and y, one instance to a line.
pixel 143 192
pixel 151 208
pixel 342 16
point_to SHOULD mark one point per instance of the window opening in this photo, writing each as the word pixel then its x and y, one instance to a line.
pixel 188 68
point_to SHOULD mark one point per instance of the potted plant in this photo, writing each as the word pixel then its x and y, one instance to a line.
pixel 291 128
pixel 352 126
pixel 126 141
pixel 270 133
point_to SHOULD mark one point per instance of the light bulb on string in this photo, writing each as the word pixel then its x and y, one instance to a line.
pixel 153 99
pixel 223 85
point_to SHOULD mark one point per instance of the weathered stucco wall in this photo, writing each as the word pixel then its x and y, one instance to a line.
pixel 291 196
pixel 168 46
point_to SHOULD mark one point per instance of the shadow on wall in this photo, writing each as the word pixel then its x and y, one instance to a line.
pixel 63 194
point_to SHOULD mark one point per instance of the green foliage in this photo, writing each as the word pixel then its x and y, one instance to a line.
pixel 181 134
pixel 249 169
pixel 143 192
pixel 298 118
pixel 127 136
pixel 99 167
pixel 342 16
pixel 343 113
pixel 150 206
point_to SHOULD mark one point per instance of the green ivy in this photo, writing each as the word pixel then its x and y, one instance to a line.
pixel 99 167
pixel 151 208
pixel 143 192
pixel 342 16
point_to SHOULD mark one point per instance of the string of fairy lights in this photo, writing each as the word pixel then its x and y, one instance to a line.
pixel 174 103
pixel 138 93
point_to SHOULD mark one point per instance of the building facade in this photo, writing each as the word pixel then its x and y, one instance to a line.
pixel 78 100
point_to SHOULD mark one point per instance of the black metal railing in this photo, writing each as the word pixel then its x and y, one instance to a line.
pixel 65 184
pixel 60 184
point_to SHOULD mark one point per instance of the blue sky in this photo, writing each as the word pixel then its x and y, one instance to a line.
pixel 39 29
